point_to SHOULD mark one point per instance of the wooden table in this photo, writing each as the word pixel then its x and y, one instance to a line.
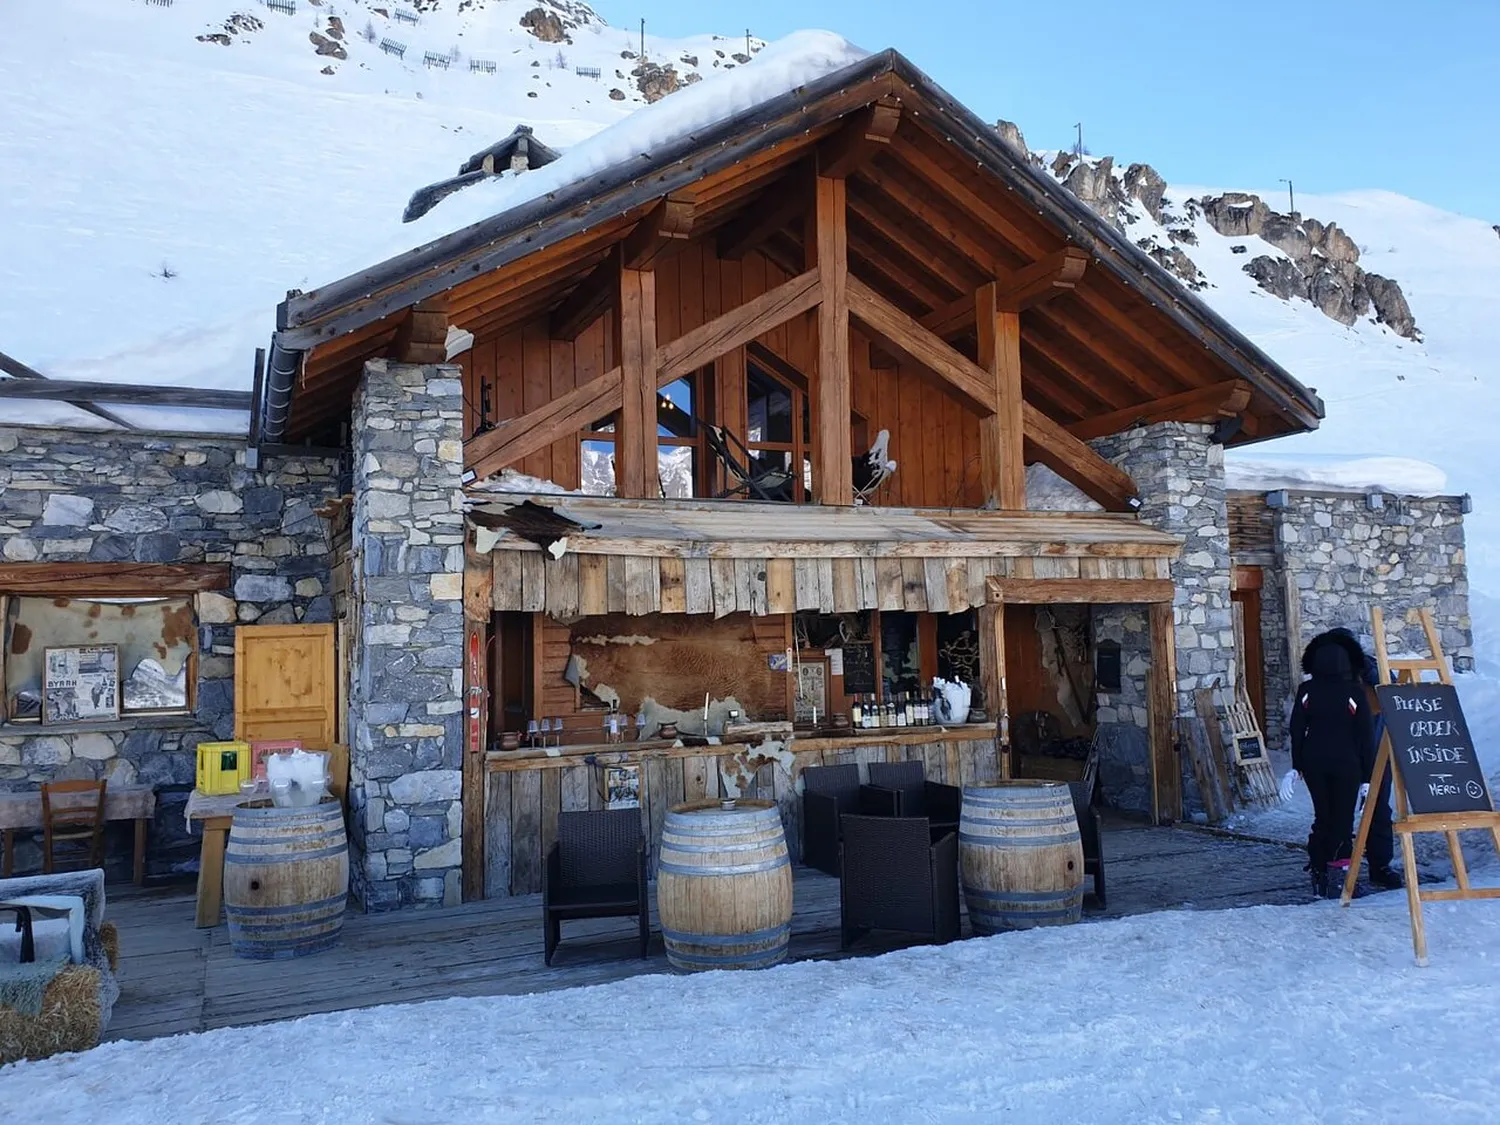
pixel 125 802
pixel 216 814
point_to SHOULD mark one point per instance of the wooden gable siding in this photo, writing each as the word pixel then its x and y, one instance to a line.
pixel 934 440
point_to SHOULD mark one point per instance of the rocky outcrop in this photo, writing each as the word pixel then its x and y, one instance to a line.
pixel 1236 214
pixel 1145 185
pixel 325 46
pixel 239 25
pixel 335 27
pixel 1321 263
pixel 655 81
pixel 546 26
pixel 1390 306
pixel 1176 262
pixel 1093 183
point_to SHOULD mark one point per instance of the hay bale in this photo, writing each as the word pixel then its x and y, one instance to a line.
pixel 70 1019
pixel 109 937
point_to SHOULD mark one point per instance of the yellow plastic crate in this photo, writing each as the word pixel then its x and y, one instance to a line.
pixel 222 766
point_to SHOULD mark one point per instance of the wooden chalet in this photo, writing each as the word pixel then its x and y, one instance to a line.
pixel 708 339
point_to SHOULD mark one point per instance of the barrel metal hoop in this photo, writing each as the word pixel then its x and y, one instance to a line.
pixel 340 848
pixel 1023 896
pixel 736 869
pixel 774 933
pixel 295 908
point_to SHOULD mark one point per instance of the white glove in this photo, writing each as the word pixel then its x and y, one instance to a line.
pixel 1364 791
pixel 1359 803
pixel 1289 784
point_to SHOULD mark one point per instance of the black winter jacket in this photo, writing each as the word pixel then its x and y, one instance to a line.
pixel 1331 722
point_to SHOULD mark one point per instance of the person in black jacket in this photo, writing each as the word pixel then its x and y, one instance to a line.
pixel 1380 847
pixel 1333 749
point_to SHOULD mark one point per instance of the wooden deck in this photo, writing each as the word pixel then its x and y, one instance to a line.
pixel 175 978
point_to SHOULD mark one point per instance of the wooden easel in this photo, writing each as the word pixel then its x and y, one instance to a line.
pixel 1252 765
pixel 1406 824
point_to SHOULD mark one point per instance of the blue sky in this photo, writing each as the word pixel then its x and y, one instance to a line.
pixel 1333 94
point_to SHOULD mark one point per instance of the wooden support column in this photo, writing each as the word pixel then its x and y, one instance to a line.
pixel 1161 694
pixel 1002 466
pixel 832 468
pixel 992 670
pixel 635 345
pixel 478 603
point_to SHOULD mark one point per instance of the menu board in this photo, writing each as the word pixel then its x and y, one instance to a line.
pixel 1432 750
pixel 859 669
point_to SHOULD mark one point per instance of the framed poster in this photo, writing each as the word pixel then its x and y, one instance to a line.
pixel 80 683
pixel 812 689
pixel 622 787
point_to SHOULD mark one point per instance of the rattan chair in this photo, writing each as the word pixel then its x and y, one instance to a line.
pixel 896 877
pixel 73 815
pixel 597 869
pixel 916 796
pixel 828 793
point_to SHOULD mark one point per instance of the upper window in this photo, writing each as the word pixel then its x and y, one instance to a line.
pixel 97 659
pixel 678 441
pixel 779 432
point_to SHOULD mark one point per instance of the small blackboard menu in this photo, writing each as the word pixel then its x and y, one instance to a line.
pixel 859 669
pixel 1432 750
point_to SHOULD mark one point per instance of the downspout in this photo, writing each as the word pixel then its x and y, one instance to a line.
pixel 275 403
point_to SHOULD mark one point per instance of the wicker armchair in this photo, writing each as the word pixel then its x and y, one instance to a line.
pixel 829 793
pixel 1090 827
pixel 597 869
pixel 895 877
pixel 914 795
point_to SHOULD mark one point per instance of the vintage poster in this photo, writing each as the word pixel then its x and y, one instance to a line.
pixel 80 683
pixel 622 787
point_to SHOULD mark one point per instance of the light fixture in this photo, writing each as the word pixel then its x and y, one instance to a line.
pixel 467 478
pixel 1226 428
pixel 1276 499
pixel 1466 503
pixel 1374 501
pixel 1134 503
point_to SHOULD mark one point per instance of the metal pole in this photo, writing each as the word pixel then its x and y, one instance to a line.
pixel 643 39
pixel 1291 199
pixel 1078 151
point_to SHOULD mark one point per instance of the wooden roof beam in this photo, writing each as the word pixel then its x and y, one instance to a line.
pixel 781 204
pixel 708 342
pixel 1052 276
pixel 589 300
pixel 663 232
pixel 68 390
pixel 516 438
pixel 1205 404
pixel 422 335
pixel 18 370
pixel 865 137
pixel 1076 463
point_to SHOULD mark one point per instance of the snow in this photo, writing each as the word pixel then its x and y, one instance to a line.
pixel 1261 1016
pixel 1261 470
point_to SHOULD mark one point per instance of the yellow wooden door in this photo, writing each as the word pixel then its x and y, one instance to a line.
pixel 285 684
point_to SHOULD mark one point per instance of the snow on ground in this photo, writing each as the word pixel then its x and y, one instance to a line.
pixel 1264 1016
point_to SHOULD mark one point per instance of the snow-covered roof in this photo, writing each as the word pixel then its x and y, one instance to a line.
pixel 1261 471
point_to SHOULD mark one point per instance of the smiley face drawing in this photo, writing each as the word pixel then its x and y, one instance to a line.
pixel 1474 790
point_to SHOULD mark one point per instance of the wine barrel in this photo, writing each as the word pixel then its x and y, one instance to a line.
pixel 286 879
pixel 724 886
pixel 1020 857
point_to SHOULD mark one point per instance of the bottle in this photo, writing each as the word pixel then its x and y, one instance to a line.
pixel 857 712
pixel 911 712
pixel 924 713
pixel 900 716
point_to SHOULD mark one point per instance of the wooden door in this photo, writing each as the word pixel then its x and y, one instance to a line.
pixel 1248 581
pixel 285 684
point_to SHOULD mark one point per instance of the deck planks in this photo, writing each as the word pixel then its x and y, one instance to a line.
pixel 175 978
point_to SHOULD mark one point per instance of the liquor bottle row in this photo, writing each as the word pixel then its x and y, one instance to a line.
pixel 902 709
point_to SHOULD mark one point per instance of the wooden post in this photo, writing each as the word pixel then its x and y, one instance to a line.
pixel 832 470
pixel 1002 468
pixel 1166 774
pixel 476 708
pixel 635 345
pixel 992 669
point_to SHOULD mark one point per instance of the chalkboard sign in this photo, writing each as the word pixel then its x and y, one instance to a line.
pixel 1431 747
pixel 859 669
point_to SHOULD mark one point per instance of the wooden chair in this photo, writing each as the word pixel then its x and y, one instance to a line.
pixel 73 814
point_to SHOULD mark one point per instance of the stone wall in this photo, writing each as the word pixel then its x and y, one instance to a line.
pixel 77 495
pixel 405 707
pixel 1346 557
pixel 1179 472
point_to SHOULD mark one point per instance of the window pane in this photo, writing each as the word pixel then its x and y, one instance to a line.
pixel 155 638
pixel 597 468
pixel 677 465
pixel 770 407
pixel 674 409
pixel 604 425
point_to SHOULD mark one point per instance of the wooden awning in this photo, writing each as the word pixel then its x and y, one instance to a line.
pixel 722 557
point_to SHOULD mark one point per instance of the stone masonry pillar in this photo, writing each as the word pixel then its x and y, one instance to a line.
pixel 405 702
pixel 1179 471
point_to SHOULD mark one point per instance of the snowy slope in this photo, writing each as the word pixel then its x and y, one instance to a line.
pixel 1294 1015
pixel 129 151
